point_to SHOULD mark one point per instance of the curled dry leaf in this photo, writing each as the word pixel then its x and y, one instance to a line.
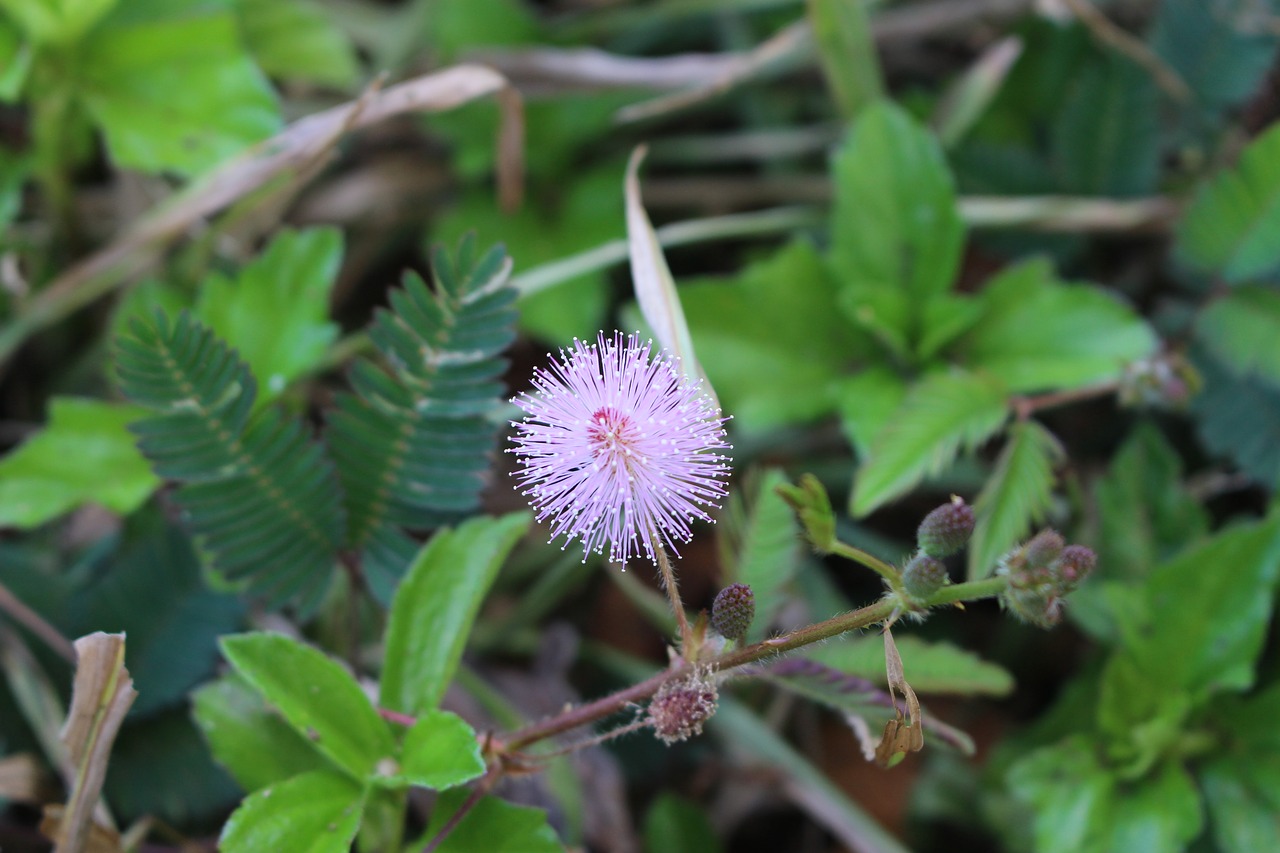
pixel 900 735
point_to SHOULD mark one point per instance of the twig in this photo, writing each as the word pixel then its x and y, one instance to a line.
pixel 1106 31
pixel 36 624
pixel 1025 407
pixel 477 794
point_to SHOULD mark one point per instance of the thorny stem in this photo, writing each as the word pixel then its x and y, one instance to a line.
pixel 673 595
pixel 845 622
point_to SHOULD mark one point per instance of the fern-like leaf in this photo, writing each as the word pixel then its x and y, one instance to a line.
pixel 413 444
pixel 259 495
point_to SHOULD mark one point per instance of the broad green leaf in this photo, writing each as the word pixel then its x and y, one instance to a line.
pixel 316 812
pixel 295 40
pixel 493 825
pixel 943 413
pixel 895 226
pixel 275 313
pixel 1238 417
pixel 1106 136
pixel 1242 783
pixel 1230 227
pixel 868 401
pixel 1038 334
pixel 930 667
pixel 250 739
pixel 772 340
pixel 847 51
pixel 440 751
pixel 769 550
pixel 435 605
pixel 316 696
pixel 143 53
pixel 153 591
pixel 1242 329
pixel 457 25
pixel 1208 610
pixel 83 455
pixel 16 54
pixel 1217 48
pixel 1080 807
pixel 1141 718
pixel 675 825
pixel 1015 496
pixel 56 21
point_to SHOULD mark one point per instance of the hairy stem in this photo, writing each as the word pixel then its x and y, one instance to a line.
pixel 673 595
pixel 871 561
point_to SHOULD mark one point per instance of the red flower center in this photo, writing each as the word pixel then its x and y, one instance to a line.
pixel 611 432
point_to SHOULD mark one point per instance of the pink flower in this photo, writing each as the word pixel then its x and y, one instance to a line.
pixel 619 449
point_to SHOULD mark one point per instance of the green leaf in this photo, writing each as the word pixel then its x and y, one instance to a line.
pixel 16 55
pixel 847 51
pixel 868 401
pixel 1207 611
pixel 1242 329
pixel 675 825
pixel 275 313
pixel 1242 783
pixel 1015 496
pixel 1080 807
pixel 295 40
pixel 1238 418
pixel 250 739
pixel 1106 136
pixel 1230 227
pixel 316 812
pixel 83 455
pixel 56 21
pixel 943 413
pixel 930 667
pixel 771 339
pixel 440 751
pixel 1217 49
pixel 144 52
pixel 316 696
pixel 895 228
pixel 1038 334
pixel 769 548
pixel 493 825
pixel 435 605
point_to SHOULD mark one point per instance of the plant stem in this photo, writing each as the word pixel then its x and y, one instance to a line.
pixel 971 591
pixel 36 624
pixel 871 561
pixel 673 595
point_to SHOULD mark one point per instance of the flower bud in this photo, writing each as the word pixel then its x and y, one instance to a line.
pixel 924 576
pixel 946 530
pixel 733 610
pixel 1043 549
pixel 679 708
pixel 1073 566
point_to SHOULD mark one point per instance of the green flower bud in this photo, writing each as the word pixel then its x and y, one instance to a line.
pixel 946 530
pixel 924 576
pixel 733 610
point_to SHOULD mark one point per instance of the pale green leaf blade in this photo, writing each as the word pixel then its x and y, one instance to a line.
pixel 317 812
pixel 1015 496
pixel 83 455
pixel 275 313
pixel 930 667
pixel 246 737
pixel 316 696
pixel 868 401
pixel 295 40
pixel 435 605
pixel 943 413
pixel 143 53
pixel 1230 228
pixel 1243 330
pixel 440 751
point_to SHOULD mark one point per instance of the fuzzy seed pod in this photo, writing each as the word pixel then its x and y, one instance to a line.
pixel 1073 566
pixel 946 530
pixel 733 610
pixel 924 576
pixel 678 710
pixel 1043 548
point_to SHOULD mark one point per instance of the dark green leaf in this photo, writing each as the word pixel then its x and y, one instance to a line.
pixel 316 696
pixel 295 40
pixel 1239 418
pixel 84 455
pixel 435 605
pixel 316 812
pixel 1217 48
pixel 1016 494
pixel 1230 227
pixel 943 413
pixel 275 313
pixel 768 549
pixel 494 826
pixel 249 739
pixel 675 825
pixel 440 751
pixel 1242 330
pixel 144 52
pixel 1242 782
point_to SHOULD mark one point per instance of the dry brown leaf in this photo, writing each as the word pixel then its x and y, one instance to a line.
pixel 900 736
pixel 100 839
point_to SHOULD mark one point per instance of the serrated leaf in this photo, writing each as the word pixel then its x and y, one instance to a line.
pixel 1230 227
pixel 930 667
pixel 275 312
pixel 83 455
pixel 316 696
pixel 1207 611
pixel 1217 48
pixel 895 224
pixel 1038 334
pixel 943 413
pixel 868 402
pixel 1242 329
pixel 769 549
pixel 1015 496
pixel 1241 783
pixel 142 53
pixel 1238 418
pixel 440 751
pixel 435 606
pixel 317 812
pixel 295 40
pixel 249 739
pixel 492 825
